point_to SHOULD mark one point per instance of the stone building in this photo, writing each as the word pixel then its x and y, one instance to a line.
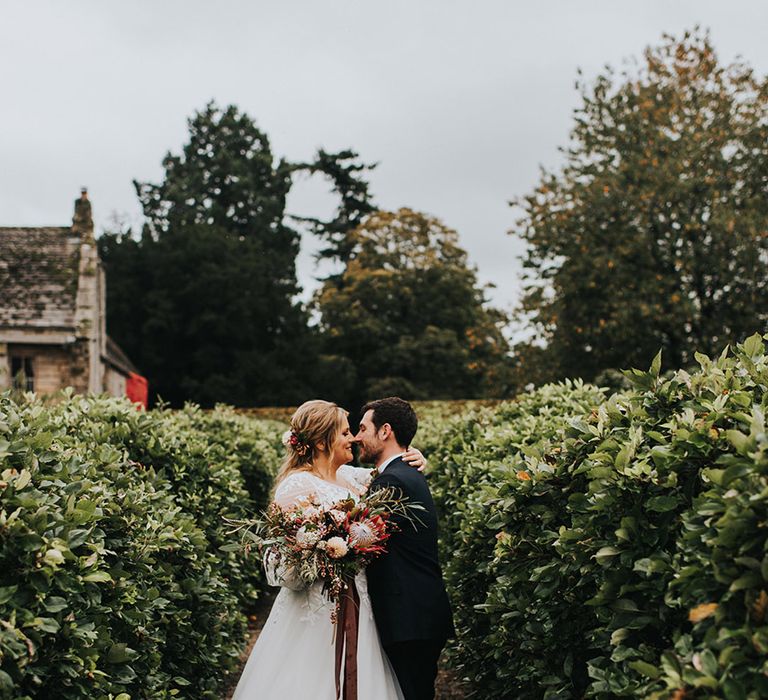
pixel 53 313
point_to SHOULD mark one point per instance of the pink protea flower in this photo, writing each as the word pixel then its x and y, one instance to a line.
pixel 361 535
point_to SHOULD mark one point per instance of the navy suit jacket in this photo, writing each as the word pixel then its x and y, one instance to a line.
pixel 406 584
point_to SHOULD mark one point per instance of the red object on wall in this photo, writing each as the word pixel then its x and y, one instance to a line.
pixel 137 389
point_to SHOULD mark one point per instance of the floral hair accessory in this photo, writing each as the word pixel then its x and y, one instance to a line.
pixel 296 441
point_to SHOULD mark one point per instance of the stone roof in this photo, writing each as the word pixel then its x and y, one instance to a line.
pixel 38 277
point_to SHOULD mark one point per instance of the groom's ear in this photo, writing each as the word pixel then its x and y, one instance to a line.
pixel 386 429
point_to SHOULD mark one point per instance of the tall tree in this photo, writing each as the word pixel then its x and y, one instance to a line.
pixel 654 232
pixel 348 176
pixel 407 315
pixel 204 301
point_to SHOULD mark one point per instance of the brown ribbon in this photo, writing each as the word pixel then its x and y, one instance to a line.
pixel 347 623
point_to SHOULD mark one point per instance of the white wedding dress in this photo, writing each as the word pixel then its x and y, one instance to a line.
pixel 294 656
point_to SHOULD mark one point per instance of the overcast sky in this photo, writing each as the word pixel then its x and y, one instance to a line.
pixel 460 103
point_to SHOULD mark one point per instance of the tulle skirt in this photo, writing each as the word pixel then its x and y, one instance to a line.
pixel 294 656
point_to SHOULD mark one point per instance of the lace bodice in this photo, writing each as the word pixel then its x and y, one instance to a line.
pixel 304 485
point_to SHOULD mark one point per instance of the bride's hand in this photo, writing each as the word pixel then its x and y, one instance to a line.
pixel 415 459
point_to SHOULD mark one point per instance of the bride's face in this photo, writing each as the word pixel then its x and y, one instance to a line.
pixel 342 447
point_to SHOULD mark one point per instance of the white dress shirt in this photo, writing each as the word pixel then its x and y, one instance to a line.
pixel 391 459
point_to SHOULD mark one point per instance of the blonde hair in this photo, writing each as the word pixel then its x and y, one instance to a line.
pixel 318 424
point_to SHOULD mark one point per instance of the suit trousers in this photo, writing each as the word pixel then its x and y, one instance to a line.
pixel 415 665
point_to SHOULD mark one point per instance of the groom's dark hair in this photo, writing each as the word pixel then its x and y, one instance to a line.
pixel 398 413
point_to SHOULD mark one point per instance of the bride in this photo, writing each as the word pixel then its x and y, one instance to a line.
pixel 294 656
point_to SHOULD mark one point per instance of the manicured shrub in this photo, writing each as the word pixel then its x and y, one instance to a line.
pixel 477 453
pixel 720 580
pixel 111 580
pixel 592 546
pixel 627 551
pixel 252 443
pixel 203 456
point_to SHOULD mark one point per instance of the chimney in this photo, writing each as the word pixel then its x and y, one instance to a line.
pixel 82 221
pixel 89 310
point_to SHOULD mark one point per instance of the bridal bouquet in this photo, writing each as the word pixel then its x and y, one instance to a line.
pixel 311 542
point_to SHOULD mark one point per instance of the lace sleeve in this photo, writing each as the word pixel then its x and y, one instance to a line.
pixel 294 489
pixel 279 573
pixel 357 476
pixel 290 492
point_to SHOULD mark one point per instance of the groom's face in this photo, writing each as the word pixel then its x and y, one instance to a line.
pixel 371 445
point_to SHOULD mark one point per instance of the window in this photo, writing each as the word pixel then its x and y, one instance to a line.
pixel 22 372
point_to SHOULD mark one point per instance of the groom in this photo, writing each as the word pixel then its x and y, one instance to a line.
pixel 406 586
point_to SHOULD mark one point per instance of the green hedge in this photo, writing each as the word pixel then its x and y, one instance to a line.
pixel 470 458
pixel 593 546
pixel 624 553
pixel 111 580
